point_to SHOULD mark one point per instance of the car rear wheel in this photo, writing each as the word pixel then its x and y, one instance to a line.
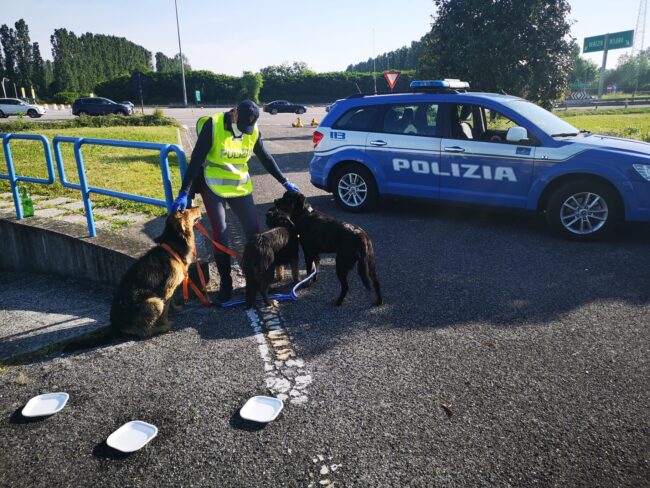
pixel 584 211
pixel 274 111
pixel 32 113
pixel 354 188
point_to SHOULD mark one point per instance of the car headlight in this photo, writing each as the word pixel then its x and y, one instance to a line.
pixel 643 170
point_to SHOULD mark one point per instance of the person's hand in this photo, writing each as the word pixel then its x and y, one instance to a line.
pixel 180 204
pixel 291 187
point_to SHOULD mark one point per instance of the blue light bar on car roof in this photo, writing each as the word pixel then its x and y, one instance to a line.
pixel 447 83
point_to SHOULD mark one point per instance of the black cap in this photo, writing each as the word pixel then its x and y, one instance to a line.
pixel 247 115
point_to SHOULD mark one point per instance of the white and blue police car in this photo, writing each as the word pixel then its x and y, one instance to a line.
pixel 442 142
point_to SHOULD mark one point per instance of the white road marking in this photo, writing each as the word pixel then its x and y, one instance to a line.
pixel 286 376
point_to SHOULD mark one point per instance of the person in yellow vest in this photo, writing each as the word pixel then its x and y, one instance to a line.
pixel 218 170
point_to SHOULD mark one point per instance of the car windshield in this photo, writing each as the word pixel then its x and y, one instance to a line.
pixel 545 120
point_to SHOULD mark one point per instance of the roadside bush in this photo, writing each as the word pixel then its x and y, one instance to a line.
pixel 306 87
pixel 65 97
pixel 89 121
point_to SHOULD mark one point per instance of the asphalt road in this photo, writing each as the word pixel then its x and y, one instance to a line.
pixel 502 357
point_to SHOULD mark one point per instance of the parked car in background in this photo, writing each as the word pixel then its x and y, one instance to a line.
pixel 283 106
pixel 14 106
pixel 100 106
pixel 130 104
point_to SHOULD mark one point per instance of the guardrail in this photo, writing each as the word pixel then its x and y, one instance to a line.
pixel 605 102
pixel 13 178
pixel 86 189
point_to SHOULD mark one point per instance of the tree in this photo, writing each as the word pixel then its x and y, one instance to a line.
pixel 23 50
pixel 631 74
pixel 404 58
pixel 583 70
pixel 250 86
pixel 286 69
pixel 38 70
pixel 171 65
pixel 8 41
pixel 81 62
pixel 515 46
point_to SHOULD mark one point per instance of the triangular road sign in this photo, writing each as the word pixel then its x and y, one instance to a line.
pixel 392 77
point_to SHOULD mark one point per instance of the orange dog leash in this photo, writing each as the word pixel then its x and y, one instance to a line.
pixel 216 244
pixel 186 278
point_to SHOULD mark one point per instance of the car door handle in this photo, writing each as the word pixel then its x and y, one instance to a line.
pixel 455 149
pixel 378 143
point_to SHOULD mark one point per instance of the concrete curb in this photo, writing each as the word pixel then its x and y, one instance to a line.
pixel 50 246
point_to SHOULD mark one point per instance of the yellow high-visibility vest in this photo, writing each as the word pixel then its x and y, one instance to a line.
pixel 226 166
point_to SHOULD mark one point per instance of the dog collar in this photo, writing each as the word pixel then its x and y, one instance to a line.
pixel 310 209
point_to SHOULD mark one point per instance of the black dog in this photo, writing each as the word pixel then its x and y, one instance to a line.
pixel 320 233
pixel 268 250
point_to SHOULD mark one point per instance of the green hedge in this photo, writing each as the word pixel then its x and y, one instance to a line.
pixel 166 88
pixel 90 121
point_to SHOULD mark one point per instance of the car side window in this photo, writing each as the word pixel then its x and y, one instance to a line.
pixel 358 119
pixel 411 119
pixel 474 122
pixel 496 126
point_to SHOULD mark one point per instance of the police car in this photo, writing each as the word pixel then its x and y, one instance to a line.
pixel 442 142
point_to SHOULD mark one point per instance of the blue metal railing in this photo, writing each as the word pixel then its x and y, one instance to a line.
pixel 86 190
pixel 11 175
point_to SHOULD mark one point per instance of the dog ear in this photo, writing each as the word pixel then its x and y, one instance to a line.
pixel 299 201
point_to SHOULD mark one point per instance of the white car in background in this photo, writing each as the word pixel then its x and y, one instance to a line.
pixel 15 106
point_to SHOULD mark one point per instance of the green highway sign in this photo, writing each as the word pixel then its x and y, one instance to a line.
pixel 617 40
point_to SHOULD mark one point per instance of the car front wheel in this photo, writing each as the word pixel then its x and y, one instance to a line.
pixel 584 211
pixel 32 113
pixel 300 111
pixel 354 188
pixel 274 111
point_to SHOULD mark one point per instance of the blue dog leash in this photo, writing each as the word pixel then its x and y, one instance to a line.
pixel 280 297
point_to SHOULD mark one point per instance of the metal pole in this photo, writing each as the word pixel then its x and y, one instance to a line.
pixel 15 90
pixel 3 86
pixel 374 61
pixel 180 51
pixel 601 83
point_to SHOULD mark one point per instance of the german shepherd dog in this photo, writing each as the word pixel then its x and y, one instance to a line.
pixel 145 295
pixel 320 233
pixel 267 251
pixel 142 300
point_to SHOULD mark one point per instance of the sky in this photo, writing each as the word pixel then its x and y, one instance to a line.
pixel 232 37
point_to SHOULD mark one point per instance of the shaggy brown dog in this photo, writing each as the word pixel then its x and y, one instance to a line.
pixel 268 251
pixel 320 233
pixel 142 300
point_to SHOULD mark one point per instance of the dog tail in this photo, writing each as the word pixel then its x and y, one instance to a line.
pixel 367 271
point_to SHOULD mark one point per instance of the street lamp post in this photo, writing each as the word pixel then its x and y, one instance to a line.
pixel 3 86
pixel 180 51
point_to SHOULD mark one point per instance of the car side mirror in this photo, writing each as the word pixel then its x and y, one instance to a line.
pixel 517 134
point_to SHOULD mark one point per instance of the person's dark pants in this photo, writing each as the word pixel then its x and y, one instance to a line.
pixel 244 209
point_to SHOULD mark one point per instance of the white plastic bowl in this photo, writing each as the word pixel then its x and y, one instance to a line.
pixel 261 409
pixel 46 404
pixel 132 436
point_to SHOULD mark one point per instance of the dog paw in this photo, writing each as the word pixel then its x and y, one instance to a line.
pixel 379 301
